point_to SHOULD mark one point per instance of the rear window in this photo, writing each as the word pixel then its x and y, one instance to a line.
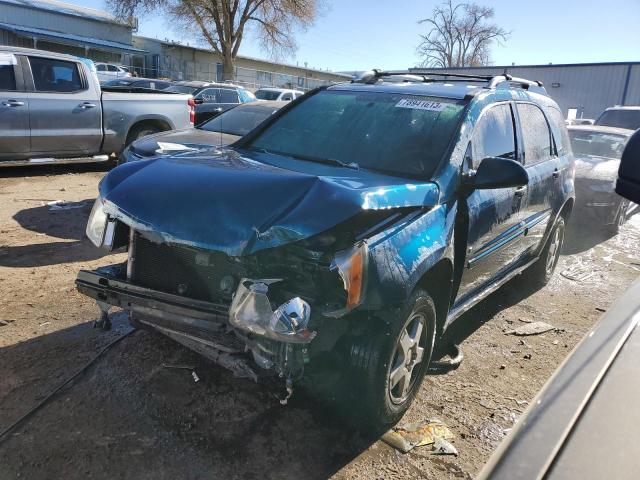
pixel 620 118
pixel 239 120
pixel 396 133
pixel 267 95
pixel 51 75
pixel 7 78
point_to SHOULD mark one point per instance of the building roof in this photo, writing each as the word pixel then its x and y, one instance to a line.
pixel 67 9
pixel 208 50
pixel 73 39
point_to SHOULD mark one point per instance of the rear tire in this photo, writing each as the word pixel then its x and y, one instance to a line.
pixel 388 366
pixel 541 272
pixel 140 131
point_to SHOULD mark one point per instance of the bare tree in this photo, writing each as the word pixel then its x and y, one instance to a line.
pixel 460 35
pixel 223 23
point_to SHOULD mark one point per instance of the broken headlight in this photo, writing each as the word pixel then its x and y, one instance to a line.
pixel 251 311
pixel 97 223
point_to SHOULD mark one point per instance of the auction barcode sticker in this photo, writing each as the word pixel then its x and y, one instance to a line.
pixel 421 105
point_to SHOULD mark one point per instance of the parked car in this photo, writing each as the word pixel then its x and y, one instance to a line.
pixel 222 130
pixel 52 110
pixel 278 94
pixel 597 151
pixel 336 242
pixel 137 82
pixel 593 395
pixel 211 99
pixel 620 117
pixel 109 71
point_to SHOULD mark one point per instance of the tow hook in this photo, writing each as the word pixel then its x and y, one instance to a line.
pixel 103 323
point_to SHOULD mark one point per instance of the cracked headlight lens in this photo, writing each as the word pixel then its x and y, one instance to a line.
pixel 97 223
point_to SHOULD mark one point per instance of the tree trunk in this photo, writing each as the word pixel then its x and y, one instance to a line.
pixel 228 67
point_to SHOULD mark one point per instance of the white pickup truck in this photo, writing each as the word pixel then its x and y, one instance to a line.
pixel 52 110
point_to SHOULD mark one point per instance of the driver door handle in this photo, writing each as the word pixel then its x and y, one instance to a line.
pixel 88 105
pixel 556 173
pixel 520 191
pixel 13 103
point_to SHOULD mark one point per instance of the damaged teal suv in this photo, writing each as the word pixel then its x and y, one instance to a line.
pixel 332 246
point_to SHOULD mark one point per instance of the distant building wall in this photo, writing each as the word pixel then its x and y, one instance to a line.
pixel 181 62
pixel 589 88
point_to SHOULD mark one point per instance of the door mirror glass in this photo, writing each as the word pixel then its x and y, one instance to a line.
pixel 628 184
pixel 496 172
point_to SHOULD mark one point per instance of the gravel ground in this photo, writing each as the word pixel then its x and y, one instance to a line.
pixel 128 417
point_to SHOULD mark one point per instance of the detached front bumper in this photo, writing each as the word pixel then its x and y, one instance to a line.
pixel 203 326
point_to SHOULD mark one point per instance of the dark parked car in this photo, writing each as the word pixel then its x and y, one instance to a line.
pixel 211 99
pixel 137 82
pixel 334 244
pixel 222 130
pixel 597 151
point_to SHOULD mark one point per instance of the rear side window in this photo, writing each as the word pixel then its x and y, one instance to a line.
pixel 101 68
pixel 209 95
pixel 7 78
pixel 228 96
pixel 560 134
pixel 51 75
pixel 537 137
pixel 494 135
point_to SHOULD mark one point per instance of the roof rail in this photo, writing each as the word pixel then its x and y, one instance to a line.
pixel 491 81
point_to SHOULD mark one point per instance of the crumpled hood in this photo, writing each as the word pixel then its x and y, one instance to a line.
pixel 238 205
pixel 192 138
pixel 597 168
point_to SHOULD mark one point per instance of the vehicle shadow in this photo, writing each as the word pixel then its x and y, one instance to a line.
pixel 510 294
pixel 48 170
pixel 129 416
pixel 64 223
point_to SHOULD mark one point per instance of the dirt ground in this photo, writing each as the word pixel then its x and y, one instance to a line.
pixel 128 417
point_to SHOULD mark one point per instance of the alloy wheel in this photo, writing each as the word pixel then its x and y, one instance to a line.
pixel 555 245
pixel 407 355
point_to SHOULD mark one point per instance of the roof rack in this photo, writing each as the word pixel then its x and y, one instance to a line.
pixel 490 81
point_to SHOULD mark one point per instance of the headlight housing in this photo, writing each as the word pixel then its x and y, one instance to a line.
pixel 97 223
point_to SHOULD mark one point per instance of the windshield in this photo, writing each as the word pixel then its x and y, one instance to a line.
pixel 396 133
pixel 267 94
pixel 181 89
pixel 620 118
pixel 597 144
pixel 240 120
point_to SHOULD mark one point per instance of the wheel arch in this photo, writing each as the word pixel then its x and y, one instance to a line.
pixel 438 282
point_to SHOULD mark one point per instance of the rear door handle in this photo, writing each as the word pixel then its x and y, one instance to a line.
pixel 88 105
pixel 556 173
pixel 13 103
pixel 520 191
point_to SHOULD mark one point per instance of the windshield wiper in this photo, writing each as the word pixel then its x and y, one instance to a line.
pixel 329 161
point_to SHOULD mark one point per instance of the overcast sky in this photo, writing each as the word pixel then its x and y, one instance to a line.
pixel 364 34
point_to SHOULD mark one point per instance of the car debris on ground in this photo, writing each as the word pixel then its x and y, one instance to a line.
pixel 534 328
pixel 432 432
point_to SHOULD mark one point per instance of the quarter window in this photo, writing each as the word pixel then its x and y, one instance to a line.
pixel 494 135
pixel 560 134
pixel 537 138
pixel 55 75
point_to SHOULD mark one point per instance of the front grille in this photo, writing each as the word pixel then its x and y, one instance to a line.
pixel 189 272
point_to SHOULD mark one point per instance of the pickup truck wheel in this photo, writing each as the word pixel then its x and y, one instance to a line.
pixel 387 367
pixel 542 271
pixel 140 131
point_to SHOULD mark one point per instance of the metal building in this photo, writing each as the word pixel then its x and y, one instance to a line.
pixel 61 27
pixel 588 88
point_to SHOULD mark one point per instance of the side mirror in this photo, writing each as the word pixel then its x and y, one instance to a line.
pixel 496 172
pixel 628 184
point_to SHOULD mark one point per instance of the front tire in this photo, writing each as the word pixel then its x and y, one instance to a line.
pixel 389 365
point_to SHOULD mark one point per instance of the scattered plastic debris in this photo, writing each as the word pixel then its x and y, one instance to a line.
pixel 443 447
pixel 3 323
pixel 419 434
pixel 534 328
pixel 179 366
pixel 195 376
pixel 57 205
